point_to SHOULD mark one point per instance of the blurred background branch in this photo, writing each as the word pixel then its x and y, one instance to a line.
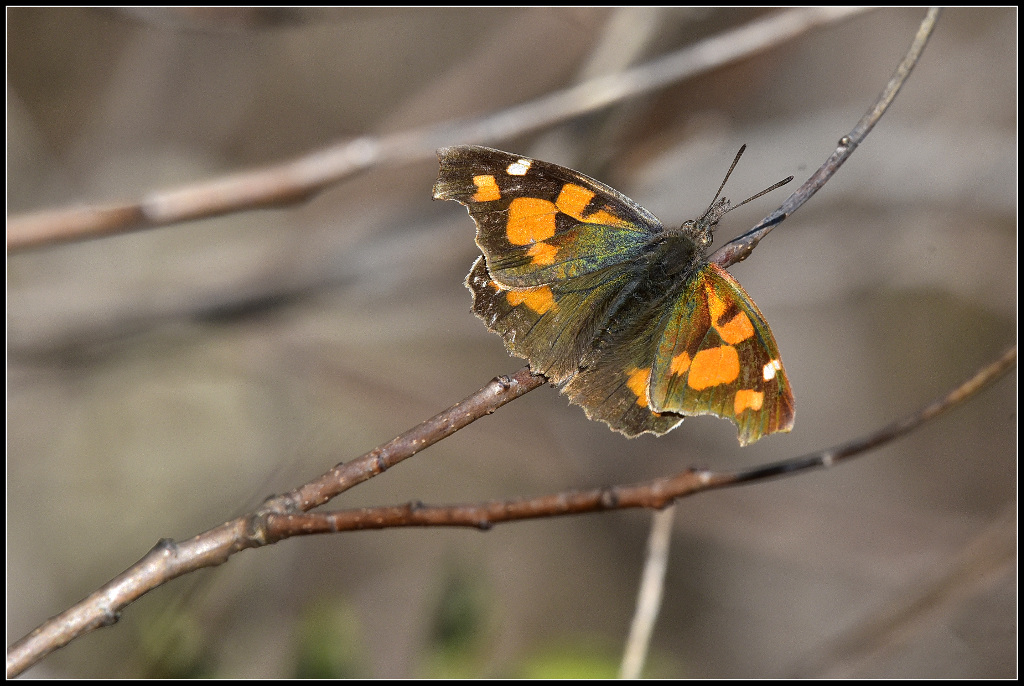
pixel 298 180
pixel 276 520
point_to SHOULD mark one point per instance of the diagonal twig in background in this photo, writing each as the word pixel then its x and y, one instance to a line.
pixel 272 522
pixel 299 179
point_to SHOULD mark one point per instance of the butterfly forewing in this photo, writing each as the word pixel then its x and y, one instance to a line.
pixel 716 355
pixel 538 223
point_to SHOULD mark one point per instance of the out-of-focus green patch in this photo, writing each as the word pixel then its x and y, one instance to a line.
pixel 459 638
pixel 572 659
pixel 329 644
pixel 175 647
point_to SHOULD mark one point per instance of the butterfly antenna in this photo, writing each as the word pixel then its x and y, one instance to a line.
pixel 766 190
pixel 727 175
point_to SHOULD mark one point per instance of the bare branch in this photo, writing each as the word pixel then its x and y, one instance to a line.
pixel 272 522
pixel 300 179
pixel 169 560
pixel 740 248
pixel 648 602
pixel 657 493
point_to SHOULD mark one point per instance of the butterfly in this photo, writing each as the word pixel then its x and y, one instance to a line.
pixel 629 319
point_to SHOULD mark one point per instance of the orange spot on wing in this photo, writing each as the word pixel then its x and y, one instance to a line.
pixel 716 307
pixel 539 299
pixel 637 382
pixel 603 217
pixel 680 363
pixel 530 220
pixel 543 253
pixel 486 189
pixel 713 367
pixel 736 329
pixel 573 200
pixel 747 400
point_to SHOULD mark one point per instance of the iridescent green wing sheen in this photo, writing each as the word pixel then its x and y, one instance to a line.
pixel 539 223
pixel 716 355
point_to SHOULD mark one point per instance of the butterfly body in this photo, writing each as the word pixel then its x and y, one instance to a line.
pixel 628 318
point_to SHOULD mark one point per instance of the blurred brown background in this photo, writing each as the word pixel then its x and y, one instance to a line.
pixel 164 381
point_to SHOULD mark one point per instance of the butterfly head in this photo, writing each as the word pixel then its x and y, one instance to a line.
pixel 702 230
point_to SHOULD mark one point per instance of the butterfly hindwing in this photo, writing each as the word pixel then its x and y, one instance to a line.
pixel 552 325
pixel 537 222
pixel 615 374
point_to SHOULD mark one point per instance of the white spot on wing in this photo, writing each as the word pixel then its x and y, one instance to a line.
pixel 771 368
pixel 520 167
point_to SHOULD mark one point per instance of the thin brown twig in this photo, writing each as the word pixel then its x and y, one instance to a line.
pixel 649 596
pixel 169 560
pixel 299 179
pixel 656 493
pixel 277 520
pixel 740 248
